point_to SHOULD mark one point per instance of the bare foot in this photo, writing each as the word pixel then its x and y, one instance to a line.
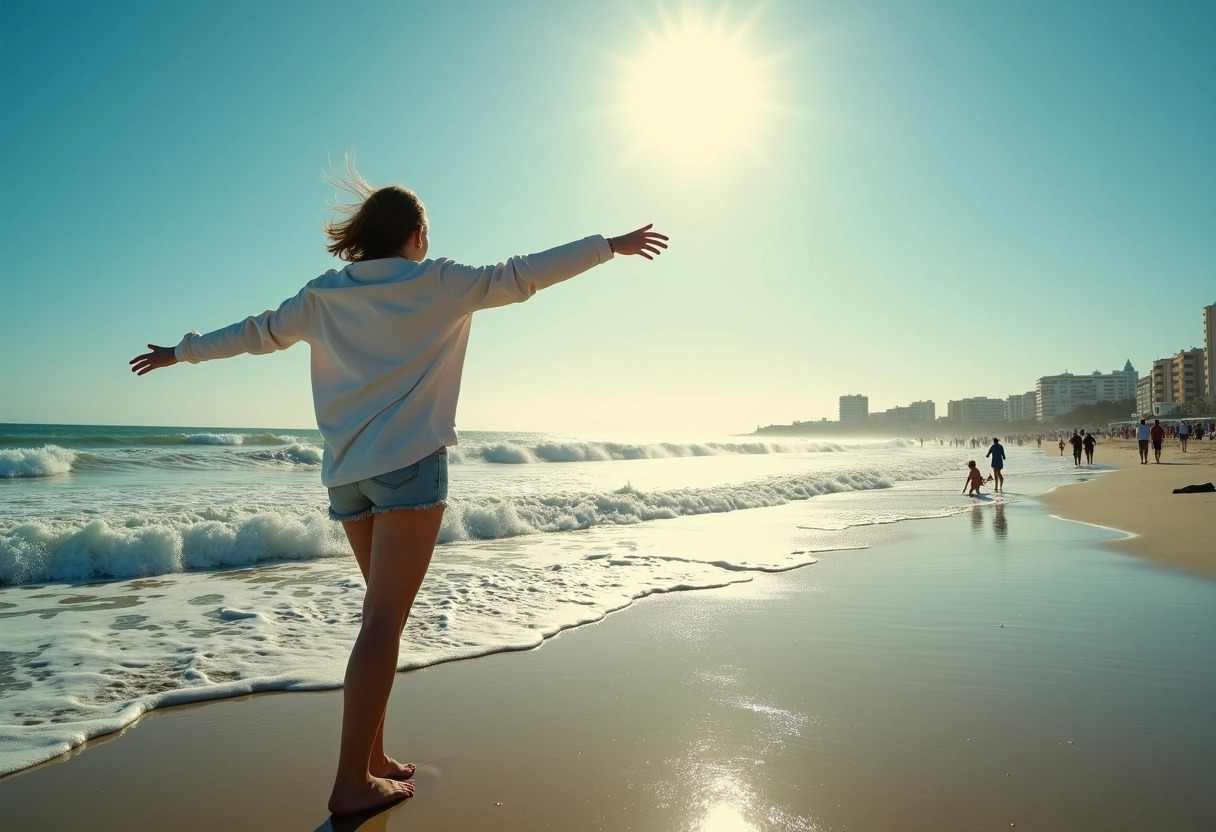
pixel 393 770
pixel 371 794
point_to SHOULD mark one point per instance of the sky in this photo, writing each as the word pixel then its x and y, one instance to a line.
pixel 906 199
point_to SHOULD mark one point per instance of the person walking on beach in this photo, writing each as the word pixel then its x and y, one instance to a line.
pixel 1089 443
pixel 1142 439
pixel 1157 435
pixel 1184 434
pixel 388 335
pixel 1077 442
pixel 997 452
pixel 1061 446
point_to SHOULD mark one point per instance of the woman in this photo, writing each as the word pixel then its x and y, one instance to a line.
pixel 388 335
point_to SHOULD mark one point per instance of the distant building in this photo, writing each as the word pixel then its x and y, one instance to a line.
pixel 915 412
pixel 1059 395
pixel 1209 349
pixel 1187 370
pixel 1163 381
pixel 1021 407
pixel 1144 395
pixel 976 409
pixel 854 408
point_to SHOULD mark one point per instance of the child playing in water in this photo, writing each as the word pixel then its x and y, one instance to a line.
pixel 975 480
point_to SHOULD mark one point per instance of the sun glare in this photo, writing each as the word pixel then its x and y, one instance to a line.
pixel 696 94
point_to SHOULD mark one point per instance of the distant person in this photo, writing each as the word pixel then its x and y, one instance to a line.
pixel 1156 435
pixel 1184 434
pixel 997 452
pixel 1061 446
pixel 1142 438
pixel 388 335
pixel 1089 443
pixel 1199 431
pixel 975 480
pixel 1077 444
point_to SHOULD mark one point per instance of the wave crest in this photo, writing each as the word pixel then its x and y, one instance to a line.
pixel 46 461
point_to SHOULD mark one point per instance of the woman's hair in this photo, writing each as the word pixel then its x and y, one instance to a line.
pixel 378 225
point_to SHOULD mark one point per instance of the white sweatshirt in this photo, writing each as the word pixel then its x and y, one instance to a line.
pixel 388 342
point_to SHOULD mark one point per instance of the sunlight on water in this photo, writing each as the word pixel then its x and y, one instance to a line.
pixel 725 817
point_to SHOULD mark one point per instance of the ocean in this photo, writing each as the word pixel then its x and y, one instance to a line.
pixel 142 567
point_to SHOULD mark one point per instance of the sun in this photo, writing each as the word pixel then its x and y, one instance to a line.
pixel 696 94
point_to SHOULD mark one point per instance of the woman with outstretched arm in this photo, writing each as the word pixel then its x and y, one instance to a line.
pixel 388 335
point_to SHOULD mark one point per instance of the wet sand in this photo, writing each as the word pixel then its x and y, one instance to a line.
pixel 996 668
pixel 1174 530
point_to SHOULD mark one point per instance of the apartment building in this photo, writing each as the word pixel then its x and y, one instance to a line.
pixel 854 408
pixel 1061 394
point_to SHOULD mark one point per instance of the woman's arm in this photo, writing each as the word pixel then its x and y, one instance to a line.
pixel 273 330
pixel 519 278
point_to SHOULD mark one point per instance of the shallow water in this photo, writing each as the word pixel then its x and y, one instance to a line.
pixel 154 566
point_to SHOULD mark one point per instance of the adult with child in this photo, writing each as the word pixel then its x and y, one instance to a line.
pixel 997 452
pixel 388 335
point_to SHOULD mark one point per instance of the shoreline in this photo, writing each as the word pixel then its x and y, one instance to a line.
pixel 1138 500
pixel 959 674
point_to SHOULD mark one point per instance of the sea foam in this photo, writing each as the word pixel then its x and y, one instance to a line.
pixel 35 462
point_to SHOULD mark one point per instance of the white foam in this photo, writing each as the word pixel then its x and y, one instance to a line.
pixel 558 451
pixel 88 660
pixel 35 462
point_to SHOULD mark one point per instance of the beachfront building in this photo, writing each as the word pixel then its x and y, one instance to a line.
pixel 1144 395
pixel 1163 381
pixel 1058 395
pixel 1021 407
pixel 1209 350
pixel 1187 369
pixel 854 408
pixel 915 412
pixel 976 409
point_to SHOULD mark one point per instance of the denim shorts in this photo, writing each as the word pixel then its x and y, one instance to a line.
pixel 421 485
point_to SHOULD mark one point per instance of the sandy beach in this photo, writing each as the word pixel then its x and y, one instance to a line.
pixel 1174 530
pixel 994 668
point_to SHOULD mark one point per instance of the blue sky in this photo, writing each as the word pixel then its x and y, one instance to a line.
pixel 936 199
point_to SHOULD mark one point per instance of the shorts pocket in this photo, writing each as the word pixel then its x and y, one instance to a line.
pixel 398 478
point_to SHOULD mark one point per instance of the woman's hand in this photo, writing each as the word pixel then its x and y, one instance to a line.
pixel 149 361
pixel 643 241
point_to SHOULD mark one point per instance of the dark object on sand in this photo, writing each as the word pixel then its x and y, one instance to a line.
pixel 1195 489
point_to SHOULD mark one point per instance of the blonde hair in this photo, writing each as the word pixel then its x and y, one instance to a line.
pixel 376 226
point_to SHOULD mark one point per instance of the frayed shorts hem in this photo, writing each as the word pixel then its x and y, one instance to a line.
pixel 363 515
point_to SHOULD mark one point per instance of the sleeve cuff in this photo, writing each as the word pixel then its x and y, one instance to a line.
pixel 602 248
pixel 180 350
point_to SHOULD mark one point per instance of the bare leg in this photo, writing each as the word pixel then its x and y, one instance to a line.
pixel 402 543
pixel 359 533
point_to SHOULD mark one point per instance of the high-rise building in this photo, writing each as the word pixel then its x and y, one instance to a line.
pixel 1187 370
pixel 1021 407
pixel 1209 349
pixel 854 408
pixel 1058 395
pixel 1144 395
pixel 976 409
pixel 1163 381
